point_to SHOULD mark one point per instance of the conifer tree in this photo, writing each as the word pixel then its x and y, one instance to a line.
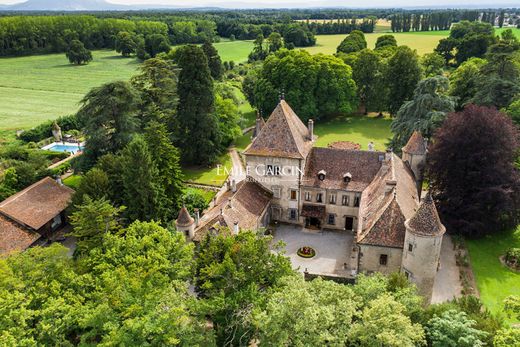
pixel 214 61
pixel 197 126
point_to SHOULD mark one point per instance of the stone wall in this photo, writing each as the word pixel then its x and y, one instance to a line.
pixel 369 260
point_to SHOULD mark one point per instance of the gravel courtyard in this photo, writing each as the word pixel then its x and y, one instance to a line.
pixel 332 249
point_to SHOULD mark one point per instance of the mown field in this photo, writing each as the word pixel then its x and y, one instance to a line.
pixel 37 88
pixel 495 281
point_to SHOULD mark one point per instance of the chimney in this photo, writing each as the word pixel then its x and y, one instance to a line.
pixel 310 126
pixel 235 228
pixel 197 216
pixel 390 186
pixel 58 180
pixel 258 126
pixel 233 185
pixel 388 154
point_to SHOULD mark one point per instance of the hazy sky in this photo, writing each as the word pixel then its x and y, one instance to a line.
pixel 315 3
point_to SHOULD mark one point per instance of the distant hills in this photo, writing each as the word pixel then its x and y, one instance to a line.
pixel 77 5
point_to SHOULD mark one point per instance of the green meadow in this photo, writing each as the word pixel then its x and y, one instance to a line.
pixel 37 88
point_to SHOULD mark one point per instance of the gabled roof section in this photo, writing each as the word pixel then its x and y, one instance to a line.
pixel 416 144
pixel 283 135
pixel 184 219
pixel 37 204
pixel 389 229
pixel 14 237
pixel 426 220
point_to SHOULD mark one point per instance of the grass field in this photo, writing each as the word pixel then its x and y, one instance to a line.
pixel 237 51
pixel 213 176
pixel 358 129
pixel 72 181
pixel 495 281
pixel 37 88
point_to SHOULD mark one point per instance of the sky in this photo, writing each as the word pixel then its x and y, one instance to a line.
pixel 315 3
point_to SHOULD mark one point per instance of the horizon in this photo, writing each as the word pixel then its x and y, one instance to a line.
pixel 273 4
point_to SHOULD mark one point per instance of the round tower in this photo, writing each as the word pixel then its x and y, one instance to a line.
pixel 422 246
pixel 185 223
pixel 414 154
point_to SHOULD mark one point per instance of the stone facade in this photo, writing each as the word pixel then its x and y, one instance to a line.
pixel 380 259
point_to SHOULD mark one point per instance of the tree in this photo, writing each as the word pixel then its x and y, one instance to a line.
pixel 354 42
pixel 402 75
pixel 368 73
pixel 307 313
pixel 197 132
pixel 238 270
pixel 143 194
pixel 384 323
pixel 228 118
pixel 471 171
pixel 513 111
pixel 157 86
pixel 214 61
pixel 258 52
pixel 465 80
pixel 314 85
pixel 108 118
pixel 166 157
pixel 453 329
pixel 432 64
pixel 91 221
pixel 297 35
pixel 125 43
pixel 275 42
pixel 386 41
pixel 424 113
pixel 94 184
pixel 507 337
pixel 155 44
pixel 78 54
pixel 500 81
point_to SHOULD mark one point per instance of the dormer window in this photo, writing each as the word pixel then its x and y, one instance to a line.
pixel 347 177
pixel 321 175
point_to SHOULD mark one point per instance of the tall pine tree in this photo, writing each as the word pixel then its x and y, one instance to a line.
pixel 197 132
pixel 214 61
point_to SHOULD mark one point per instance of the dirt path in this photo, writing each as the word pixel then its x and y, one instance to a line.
pixel 447 282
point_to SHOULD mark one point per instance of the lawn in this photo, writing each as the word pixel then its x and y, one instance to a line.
pixel 207 194
pixel 237 51
pixel 37 88
pixel 358 129
pixel 495 281
pixel 214 176
pixel 72 181
pixel 243 141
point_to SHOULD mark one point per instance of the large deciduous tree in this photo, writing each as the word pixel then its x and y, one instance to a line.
pixel 196 130
pixel 425 112
pixel 386 41
pixel 471 171
pixel 108 116
pixel 314 85
pixel 78 54
pixel 453 328
pixel 354 42
pixel 465 80
pixel 368 73
pixel 402 75
pixel 126 43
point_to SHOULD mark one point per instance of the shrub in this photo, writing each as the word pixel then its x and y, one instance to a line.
pixel 512 258
pixel 44 130
pixel 60 169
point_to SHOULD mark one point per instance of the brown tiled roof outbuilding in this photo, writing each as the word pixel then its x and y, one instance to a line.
pixel 37 204
pixel 14 237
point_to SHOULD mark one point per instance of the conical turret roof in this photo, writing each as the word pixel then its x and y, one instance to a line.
pixel 184 219
pixel 416 144
pixel 426 220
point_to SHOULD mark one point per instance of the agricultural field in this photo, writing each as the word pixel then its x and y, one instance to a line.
pixel 37 88
pixel 494 280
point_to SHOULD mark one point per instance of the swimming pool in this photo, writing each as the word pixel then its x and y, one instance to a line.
pixel 64 147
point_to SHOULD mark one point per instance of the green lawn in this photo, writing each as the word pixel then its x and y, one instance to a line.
pixel 37 88
pixel 214 175
pixel 238 51
pixel 495 281
pixel 243 141
pixel 207 194
pixel 72 181
pixel 358 129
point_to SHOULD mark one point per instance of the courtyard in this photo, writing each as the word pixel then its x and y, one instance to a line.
pixel 333 249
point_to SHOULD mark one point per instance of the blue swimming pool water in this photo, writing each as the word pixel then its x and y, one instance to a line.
pixel 65 148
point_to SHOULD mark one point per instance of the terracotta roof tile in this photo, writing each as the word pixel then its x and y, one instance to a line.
pixel 37 204
pixel 14 237
pixel 283 135
pixel 184 219
pixel 426 220
pixel 344 145
pixel 416 144
pixel 362 165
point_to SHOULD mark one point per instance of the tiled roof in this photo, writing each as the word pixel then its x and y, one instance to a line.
pixel 384 210
pixel 344 145
pixel 416 144
pixel 283 135
pixel 184 219
pixel 362 165
pixel 389 229
pixel 37 204
pixel 14 237
pixel 426 220
pixel 246 206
